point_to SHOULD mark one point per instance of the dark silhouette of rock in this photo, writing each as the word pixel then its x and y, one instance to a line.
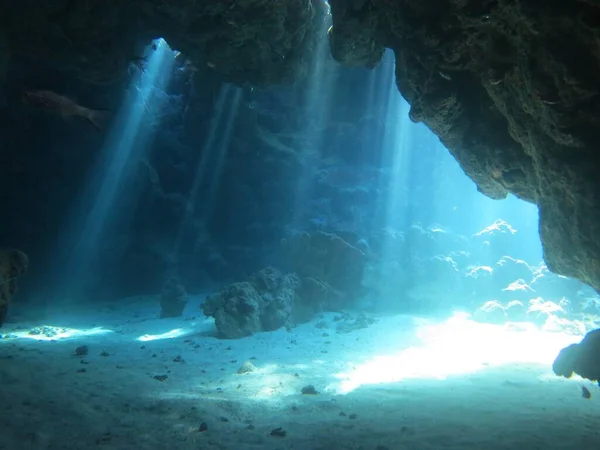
pixel 244 41
pixel 263 302
pixel 173 299
pixel 582 359
pixel 13 264
pixel 511 90
pixel 328 264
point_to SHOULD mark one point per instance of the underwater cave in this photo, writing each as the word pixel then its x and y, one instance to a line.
pixel 239 225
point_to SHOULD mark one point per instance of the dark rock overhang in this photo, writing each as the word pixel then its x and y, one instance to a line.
pixel 248 41
pixel 509 87
pixel 511 90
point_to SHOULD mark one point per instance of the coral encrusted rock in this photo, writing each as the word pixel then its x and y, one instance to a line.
pixel 261 303
pixel 330 269
pixel 582 359
pixel 261 42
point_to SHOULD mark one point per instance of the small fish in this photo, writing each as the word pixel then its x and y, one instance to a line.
pixel 585 392
pixel 65 107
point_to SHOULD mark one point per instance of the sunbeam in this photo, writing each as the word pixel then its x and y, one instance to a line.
pixel 123 149
pixel 316 103
pixel 213 153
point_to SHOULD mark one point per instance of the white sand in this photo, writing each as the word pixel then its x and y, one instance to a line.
pixel 503 402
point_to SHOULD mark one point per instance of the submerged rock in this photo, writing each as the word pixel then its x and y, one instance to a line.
pixel 172 299
pixel 582 359
pixel 247 367
pixel 309 390
pixel 330 269
pixel 261 303
pixel 13 264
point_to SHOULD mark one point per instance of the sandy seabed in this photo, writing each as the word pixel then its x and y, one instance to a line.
pixel 401 383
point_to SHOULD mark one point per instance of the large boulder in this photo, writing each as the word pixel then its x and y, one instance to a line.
pixel 261 303
pixel 581 359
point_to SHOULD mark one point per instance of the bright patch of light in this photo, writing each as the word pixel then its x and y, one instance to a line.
pixel 457 347
pixel 52 333
pixel 518 285
pixel 276 385
pixel 539 305
pixel 177 332
pixel 268 381
pixel 475 271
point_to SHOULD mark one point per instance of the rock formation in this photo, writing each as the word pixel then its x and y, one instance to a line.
pixel 13 264
pixel 173 299
pixel 581 358
pixel 263 302
pixel 245 41
pixel 511 90
pixel 330 269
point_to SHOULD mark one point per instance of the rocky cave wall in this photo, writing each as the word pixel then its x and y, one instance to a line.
pixel 247 41
pixel 508 86
pixel 511 89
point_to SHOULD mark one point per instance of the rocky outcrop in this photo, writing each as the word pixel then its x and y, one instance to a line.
pixel 248 41
pixel 263 302
pixel 173 299
pixel 511 89
pixel 327 276
pixel 330 269
pixel 581 359
pixel 13 264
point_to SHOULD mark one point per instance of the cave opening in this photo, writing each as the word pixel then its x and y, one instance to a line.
pixel 109 197
pixel 248 245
